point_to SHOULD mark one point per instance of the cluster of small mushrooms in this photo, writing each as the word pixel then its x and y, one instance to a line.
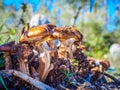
pixel 44 49
pixel 49 41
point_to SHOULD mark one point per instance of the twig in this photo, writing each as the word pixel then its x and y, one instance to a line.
pixel 113 78
pixel 77 14
pixel 63 88
pixel 28 79
pixel 21 20
pixel 1 33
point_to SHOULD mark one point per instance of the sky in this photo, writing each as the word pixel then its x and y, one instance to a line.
pixel 112 7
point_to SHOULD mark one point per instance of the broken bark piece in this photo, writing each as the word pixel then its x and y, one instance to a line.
pixel 22 52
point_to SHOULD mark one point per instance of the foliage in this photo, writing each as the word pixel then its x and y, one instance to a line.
pixel 98 43
pixel 67 75
pixel 96 39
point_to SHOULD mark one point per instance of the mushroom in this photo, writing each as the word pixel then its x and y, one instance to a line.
pixel 68 37
pixel 69 44
pixel 45 59
pixel 65 49
pixel 43 36
pixel 37 33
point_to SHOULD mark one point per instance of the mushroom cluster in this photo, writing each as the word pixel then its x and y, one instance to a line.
pixel 49 41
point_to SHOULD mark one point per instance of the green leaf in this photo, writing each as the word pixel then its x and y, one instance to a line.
pixel 71 74
pixel 64 72
pixel 12 31
pixel 3 83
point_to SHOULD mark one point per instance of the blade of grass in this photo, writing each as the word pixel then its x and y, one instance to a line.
pixel 2 24
pixel 4 21
pixel 3 83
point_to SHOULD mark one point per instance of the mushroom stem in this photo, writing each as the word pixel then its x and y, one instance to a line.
pixel 62 53
pixel 24 66
pixel 66 47
pixel 69 43
pixel 45 66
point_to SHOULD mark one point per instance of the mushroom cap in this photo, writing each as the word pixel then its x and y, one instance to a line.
pixel 36 33
pixel 64 33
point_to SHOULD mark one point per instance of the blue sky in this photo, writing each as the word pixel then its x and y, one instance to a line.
pixel 112 8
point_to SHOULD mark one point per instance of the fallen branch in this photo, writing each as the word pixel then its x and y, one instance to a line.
pixel 28 79
pixel 113 78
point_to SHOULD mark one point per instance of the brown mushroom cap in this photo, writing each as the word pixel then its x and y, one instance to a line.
pixel 64 33
pixel 36 33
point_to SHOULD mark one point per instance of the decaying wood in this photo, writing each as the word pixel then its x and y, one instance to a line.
pixel 28 79
pixel 22 53
pixel 8 61
pixel 7 49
